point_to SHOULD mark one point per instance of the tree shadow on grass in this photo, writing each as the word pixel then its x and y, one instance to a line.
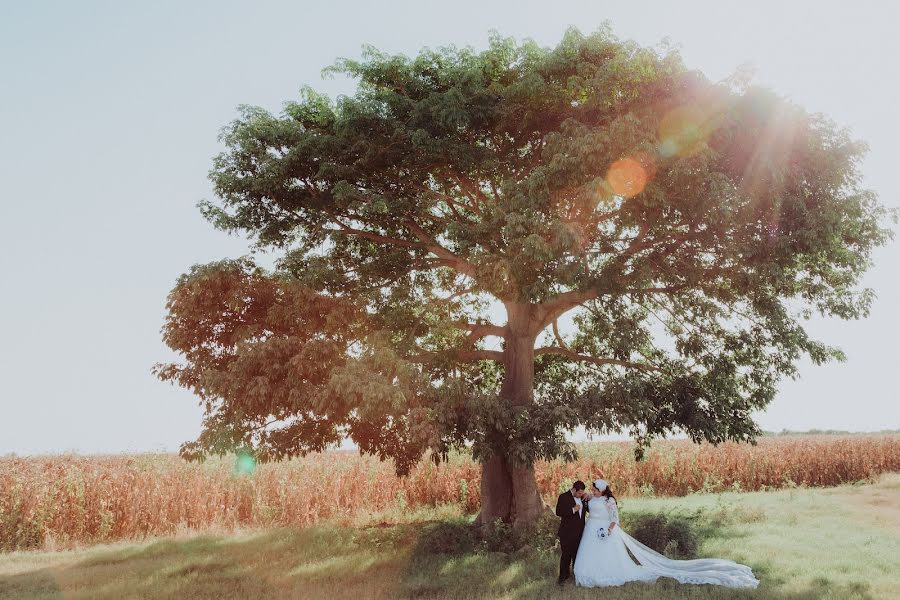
pixel 285 563
pixel 389 562
pixel 532 576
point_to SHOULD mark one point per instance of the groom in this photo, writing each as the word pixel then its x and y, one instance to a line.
pixel 570 510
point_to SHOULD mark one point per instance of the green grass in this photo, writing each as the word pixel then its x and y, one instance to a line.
pixel 804 544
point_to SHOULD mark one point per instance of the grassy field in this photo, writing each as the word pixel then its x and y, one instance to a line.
pixel 803 543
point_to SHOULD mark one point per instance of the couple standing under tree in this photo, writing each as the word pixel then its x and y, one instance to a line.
pixel 590 535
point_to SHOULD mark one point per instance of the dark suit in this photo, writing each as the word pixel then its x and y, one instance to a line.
pixel 571 526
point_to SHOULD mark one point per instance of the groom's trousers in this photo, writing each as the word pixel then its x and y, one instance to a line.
pixel 569 550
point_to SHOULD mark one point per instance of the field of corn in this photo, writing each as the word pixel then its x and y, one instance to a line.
pixel 67 500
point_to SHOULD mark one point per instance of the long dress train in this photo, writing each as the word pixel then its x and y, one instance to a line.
pixel 603 560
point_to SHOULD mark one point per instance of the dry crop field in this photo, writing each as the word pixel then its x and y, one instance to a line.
pixel 68 500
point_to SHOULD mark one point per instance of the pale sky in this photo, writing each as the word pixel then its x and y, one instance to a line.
pixel 110 114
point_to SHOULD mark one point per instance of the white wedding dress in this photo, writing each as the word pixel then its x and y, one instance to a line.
pixel 604 561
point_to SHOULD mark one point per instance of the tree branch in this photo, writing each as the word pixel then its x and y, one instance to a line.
pixel 452 203
pixel 479 330
pixel 593 359
pixel 460 355
pixel 471 189
pixel 431 244
pixel 559 339
pixel 375 237
pixel 656 290
pixel 551 310
pixel 426 242
pixel 458 293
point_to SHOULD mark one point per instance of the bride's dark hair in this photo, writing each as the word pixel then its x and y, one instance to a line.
pixel 606 492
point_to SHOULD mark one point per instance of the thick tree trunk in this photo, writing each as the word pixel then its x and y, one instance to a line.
pixel 509 491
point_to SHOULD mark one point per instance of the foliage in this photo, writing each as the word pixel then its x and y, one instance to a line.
pixel 499 536
pixel 689 225
pixel 673 536
pixel 540 535
pixel 448 537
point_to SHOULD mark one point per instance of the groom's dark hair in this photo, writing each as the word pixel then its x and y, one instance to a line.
pixel 578 485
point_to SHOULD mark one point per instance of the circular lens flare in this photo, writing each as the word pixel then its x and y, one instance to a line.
pixel 683 131
pixel 627 177
pixel 245 464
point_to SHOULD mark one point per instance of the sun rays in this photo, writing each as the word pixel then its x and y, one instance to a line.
pixel 687 130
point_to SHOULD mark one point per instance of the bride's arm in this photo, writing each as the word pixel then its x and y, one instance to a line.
pixel 613 513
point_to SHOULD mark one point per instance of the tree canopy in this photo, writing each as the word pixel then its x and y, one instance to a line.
pixel 689 226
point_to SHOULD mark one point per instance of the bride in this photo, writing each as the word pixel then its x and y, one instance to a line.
pixel 603 560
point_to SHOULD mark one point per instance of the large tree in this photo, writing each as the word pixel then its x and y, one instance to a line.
pixel 689 227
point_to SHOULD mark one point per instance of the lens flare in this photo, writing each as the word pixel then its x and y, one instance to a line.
pixel 627 177
pixel 245 464
pixel 647 161
pixel 683 131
